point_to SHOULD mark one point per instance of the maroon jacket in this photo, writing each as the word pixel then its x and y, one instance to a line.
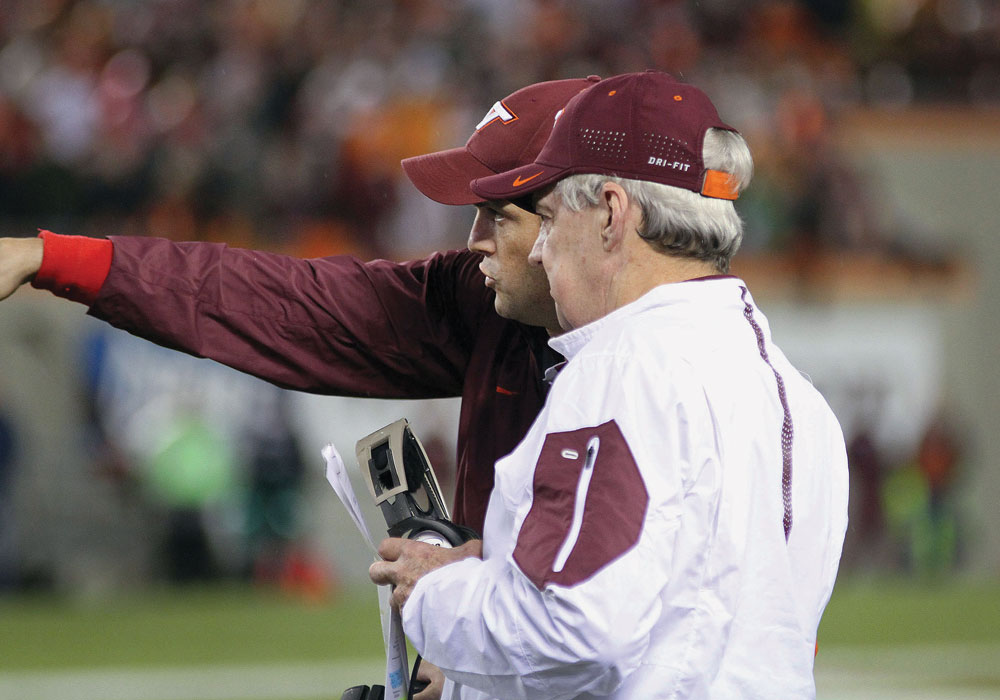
pixel 422 329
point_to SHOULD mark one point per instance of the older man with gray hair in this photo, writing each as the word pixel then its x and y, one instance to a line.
pixel 671 525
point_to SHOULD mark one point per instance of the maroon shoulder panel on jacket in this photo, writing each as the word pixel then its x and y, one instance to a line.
pixel 588 506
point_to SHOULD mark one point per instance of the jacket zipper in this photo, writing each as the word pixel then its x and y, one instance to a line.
pixel 582 487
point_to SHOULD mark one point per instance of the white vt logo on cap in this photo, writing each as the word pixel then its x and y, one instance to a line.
pixel 497 111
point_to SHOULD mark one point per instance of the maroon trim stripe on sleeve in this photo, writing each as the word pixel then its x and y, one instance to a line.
pixel 786 423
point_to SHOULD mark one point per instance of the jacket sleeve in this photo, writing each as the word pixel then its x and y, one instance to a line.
pixel 566 604
pixel 332 325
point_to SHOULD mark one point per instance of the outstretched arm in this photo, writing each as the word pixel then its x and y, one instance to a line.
pixel 20 259
pixel 330 325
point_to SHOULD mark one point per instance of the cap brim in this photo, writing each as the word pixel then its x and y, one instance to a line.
pixel 518 183
pixel 444 176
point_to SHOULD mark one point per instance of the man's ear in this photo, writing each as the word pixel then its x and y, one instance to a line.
pixel 616 203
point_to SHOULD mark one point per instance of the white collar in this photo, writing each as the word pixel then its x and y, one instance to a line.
pixel 679 295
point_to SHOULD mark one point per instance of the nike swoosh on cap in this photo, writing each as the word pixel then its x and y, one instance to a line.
pixel 518 181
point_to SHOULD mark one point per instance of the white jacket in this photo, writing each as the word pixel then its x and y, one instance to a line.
pixel 634 544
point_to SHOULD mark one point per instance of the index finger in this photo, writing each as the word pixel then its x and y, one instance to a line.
pixel 382 573
pixel 390 548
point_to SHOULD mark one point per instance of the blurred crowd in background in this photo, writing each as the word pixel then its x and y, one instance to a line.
pixel 280 124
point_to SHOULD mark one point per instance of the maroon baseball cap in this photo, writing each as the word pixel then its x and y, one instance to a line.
pixel 511 134
pixel 640 126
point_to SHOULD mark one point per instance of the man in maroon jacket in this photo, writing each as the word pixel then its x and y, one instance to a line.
pixel 461 323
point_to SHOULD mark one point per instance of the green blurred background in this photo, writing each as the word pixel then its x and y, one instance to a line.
pixel 879 639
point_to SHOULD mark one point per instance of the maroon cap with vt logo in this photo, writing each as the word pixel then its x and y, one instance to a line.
pixel 640 126
pixel 511 133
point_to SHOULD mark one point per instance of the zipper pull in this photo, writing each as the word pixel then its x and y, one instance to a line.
pixel 582 487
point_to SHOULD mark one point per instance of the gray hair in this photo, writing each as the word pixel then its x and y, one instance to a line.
pixel 678 221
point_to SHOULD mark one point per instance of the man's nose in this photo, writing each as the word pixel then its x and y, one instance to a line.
pixel 481 235
pixel 535 256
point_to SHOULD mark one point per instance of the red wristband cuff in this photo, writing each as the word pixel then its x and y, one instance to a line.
pixel 73 267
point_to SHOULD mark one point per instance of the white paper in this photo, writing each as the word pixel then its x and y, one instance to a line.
pixel 336 474
pixel 396 662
